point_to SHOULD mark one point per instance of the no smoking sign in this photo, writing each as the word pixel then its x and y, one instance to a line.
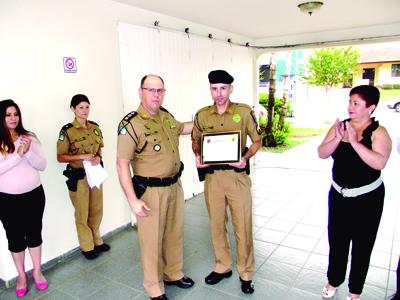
pixel 69 64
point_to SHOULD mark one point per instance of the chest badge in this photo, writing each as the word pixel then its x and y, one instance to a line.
pixel 157 147
pixel 145 116
pixel 168 121
pixel 236 118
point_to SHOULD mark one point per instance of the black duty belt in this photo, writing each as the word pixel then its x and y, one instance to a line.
pixel 154 181
pixel 210 169
pixel 225 167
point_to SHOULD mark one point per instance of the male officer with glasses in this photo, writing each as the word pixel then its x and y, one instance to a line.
pixel 148 141
pixel 228 184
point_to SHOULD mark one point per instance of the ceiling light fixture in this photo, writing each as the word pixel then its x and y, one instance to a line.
pixel 310 7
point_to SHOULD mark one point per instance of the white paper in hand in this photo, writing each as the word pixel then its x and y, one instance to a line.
pixel 95 175
pixel 398 145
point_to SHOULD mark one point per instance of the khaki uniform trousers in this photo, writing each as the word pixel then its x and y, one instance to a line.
pixel 229 188
pixel 161 237
pixel 88 214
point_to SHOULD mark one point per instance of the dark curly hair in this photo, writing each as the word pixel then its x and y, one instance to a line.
pixel 368 93
pixel 6 143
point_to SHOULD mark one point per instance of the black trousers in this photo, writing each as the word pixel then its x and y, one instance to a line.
pixel 21 215
pixel 354 220
pixel 397 295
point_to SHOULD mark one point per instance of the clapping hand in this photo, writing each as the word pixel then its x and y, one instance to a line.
pixel 351 133
pixel 25 144
pixel 340 129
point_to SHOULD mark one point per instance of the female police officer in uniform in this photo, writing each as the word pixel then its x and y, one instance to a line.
pixel 78 141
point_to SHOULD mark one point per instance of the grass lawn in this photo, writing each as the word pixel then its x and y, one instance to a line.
pixel 296 137
pixel 387 94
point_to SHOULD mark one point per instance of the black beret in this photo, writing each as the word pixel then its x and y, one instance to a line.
pixel 220 76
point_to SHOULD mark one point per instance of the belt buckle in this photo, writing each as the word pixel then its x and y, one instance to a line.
pixel 343 191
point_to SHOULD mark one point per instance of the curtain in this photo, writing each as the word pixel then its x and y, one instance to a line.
pixel 183 61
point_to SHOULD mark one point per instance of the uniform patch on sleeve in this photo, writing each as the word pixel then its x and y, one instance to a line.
pixel 61 137
pixel 123 130
pixel 63 132
pixel 123 125
pixel 253 115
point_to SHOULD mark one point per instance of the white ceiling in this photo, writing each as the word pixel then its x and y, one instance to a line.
pixel 258 19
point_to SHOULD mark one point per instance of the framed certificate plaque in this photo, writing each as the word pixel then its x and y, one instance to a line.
pixel 220 147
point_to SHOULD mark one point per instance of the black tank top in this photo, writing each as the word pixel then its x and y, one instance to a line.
pixel 348 168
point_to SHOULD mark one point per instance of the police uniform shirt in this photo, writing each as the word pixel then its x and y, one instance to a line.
pixel 238 116
pixel 75 139
pixel 151 143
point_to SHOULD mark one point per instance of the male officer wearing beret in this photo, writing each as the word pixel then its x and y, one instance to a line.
pixel 228 185
pixel 148 140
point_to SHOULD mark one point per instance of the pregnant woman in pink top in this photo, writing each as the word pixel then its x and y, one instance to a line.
pixel 22 198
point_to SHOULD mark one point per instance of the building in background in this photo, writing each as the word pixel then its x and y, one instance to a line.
pixel 379 65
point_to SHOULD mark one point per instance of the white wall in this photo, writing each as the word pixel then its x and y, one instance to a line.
pixel 34 38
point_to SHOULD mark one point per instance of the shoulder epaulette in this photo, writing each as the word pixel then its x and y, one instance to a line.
pixel 67 126
pixel 94 123
pixel 165 110
pixel 129 116
pixel 204 108
pixel 243 105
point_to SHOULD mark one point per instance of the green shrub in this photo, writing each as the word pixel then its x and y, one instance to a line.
pixel 388 86
pixel 263 100
pixel 280 135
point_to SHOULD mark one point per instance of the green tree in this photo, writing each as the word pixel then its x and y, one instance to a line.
pixel 269 136
pixel 275 129
pixel 328 67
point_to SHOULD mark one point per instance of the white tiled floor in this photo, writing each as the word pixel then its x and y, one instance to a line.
pixel 290 243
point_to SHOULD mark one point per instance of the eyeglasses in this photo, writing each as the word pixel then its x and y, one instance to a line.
pixel 154 91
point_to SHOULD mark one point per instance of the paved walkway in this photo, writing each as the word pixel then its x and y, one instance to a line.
pixel 290 239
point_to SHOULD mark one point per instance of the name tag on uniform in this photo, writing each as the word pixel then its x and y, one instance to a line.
pixel 220 147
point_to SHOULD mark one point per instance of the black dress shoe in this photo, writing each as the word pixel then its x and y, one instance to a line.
pixel 92 254
pixel 102 248
pixel 214 277
pixel 183 283
pixel 247 286
pixel 394 297
pixel 162 297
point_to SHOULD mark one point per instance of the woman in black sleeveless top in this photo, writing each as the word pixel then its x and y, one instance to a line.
pixel 396 295
pixel 360 148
